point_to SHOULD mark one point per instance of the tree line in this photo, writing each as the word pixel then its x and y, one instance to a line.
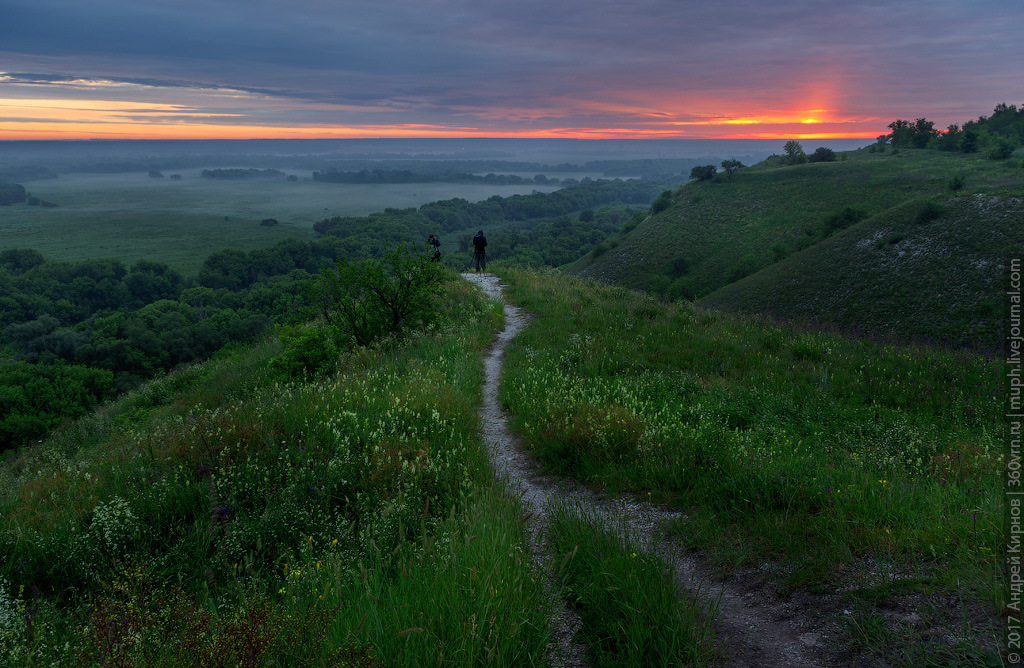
pixel 238 174
pixel 368 235
pixel 409 176
pixel 997 135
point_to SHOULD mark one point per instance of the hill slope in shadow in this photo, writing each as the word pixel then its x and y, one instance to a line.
pixel 874 242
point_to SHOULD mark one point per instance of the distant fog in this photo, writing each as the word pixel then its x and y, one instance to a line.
pixel 548 151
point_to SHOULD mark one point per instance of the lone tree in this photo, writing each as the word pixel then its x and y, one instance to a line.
pixel 372 298
pixel 795 152
pixel 731 166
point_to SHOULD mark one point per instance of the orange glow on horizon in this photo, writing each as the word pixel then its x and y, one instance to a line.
pixel 62 119
pixel 85 131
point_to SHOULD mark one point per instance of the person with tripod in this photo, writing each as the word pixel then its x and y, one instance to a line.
pixel 479 254
pixel 434 248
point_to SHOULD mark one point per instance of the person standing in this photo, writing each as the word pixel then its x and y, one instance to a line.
pixel 479 254
pixel 434 245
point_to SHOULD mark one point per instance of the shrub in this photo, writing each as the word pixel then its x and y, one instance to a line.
pixel 372 298
pixel 703 173
pixel 307 350
pixel 928 212
pixel 822 154
pixel 631 225
pixel 840 220
pixel 1002 149
pixel 744 267
pixel 779 251
pixel 663 202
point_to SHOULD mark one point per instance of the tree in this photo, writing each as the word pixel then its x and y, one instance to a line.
pixel 795 152
pixel 902 133
pixel 703 173
pixel 924 132
pixel 822 154
pixel 912 135
pixel 1002 148
pixel 664 200
pixel 20 260
pixel 149 281
pixel 372 298
pixel 970 141
pixel 228 268
pixel 950 139
pixel 731 166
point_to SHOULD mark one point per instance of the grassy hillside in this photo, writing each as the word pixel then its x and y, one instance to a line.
pixel 863 479
pixel 221 516
pixel 719 231
pixel 900 272
pixel 225 515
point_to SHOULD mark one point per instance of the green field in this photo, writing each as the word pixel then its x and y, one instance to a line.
pixel 132 216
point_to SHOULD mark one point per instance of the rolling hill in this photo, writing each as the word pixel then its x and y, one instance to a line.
pixel 878 243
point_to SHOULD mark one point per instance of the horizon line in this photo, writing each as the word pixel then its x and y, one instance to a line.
pixel 433 137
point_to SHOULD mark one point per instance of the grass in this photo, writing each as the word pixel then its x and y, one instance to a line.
pixel 132 216
pixel 817 455
pixel 921 271
pixel 223 517
pixel 716 232
pixel 627 598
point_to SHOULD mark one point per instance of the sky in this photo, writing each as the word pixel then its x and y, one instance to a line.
pixel 240 69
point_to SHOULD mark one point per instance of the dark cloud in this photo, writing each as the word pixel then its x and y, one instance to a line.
pixel 538 61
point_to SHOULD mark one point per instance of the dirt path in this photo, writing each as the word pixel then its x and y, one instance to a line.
pixel 752 627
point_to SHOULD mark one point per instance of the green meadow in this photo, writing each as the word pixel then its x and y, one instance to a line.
pixel 833 466
pixel 133 216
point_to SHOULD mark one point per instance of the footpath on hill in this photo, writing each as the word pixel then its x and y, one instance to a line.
pixel 752 628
